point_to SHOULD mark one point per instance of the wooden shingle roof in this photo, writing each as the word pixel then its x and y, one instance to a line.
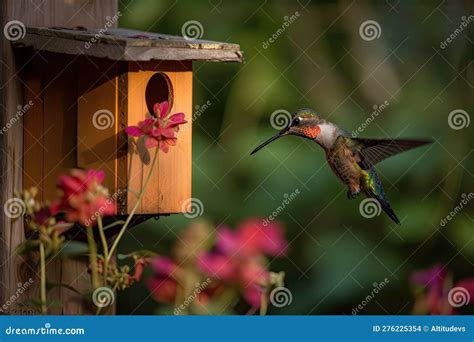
pixel 127 45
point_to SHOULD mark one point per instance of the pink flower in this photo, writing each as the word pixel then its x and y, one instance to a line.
pixel 159 130
pixel 436 284
pixel 252 237
pixel 166 279
pixel 238 258
pixel 83 197
pixel 163 284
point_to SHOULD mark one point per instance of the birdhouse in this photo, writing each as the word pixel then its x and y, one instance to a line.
pixel 83 87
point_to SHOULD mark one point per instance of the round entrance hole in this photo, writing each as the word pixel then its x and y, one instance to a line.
pixel 158 89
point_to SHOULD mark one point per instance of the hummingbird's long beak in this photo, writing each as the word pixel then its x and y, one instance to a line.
pixel 275 137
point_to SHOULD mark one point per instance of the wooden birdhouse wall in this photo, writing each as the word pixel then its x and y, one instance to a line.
pixel 50 127
pixel 85 107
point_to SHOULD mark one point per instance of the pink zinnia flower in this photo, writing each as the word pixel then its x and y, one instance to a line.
pixel 83 197
pixel 238 258
pixel 163 285
pixel 252 238
pixel 159 130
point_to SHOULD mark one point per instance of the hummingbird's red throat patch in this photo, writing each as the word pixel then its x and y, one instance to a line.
pixel 311 132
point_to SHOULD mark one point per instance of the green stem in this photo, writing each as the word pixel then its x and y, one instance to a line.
pixel 92 257
pixel 105 247
pixel 44 309
pixel 130 216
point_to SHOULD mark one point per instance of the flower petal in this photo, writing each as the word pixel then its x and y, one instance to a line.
pixel 151 142
pixel 133 131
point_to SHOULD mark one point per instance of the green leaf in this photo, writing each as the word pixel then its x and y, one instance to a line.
pixel 73 248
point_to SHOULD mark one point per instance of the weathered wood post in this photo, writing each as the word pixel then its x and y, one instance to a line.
pixel 68 13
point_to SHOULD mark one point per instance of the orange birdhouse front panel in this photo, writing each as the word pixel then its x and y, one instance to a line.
pixel 123 98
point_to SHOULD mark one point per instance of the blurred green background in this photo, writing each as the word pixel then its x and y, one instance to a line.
pixel 321 61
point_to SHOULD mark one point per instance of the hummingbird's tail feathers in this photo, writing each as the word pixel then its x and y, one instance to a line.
pixel 384 204
pixel 372 151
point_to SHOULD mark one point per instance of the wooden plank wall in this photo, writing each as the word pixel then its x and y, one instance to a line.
pixel 89 13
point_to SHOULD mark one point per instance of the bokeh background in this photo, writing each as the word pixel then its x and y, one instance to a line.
pixel 321 61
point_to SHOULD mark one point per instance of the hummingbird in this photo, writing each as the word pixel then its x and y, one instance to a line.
pixel 352 159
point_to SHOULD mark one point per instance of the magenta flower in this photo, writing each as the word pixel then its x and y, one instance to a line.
pixel 159 130
pixel 438 293
pixel 238 258
pixel 163 285
pixel 83 197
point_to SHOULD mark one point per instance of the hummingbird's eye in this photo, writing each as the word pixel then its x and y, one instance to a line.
pixel 296 121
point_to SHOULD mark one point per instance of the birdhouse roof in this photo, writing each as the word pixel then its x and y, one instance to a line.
pixel 127 45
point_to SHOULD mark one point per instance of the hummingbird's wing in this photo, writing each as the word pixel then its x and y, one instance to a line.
pixel 372 151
